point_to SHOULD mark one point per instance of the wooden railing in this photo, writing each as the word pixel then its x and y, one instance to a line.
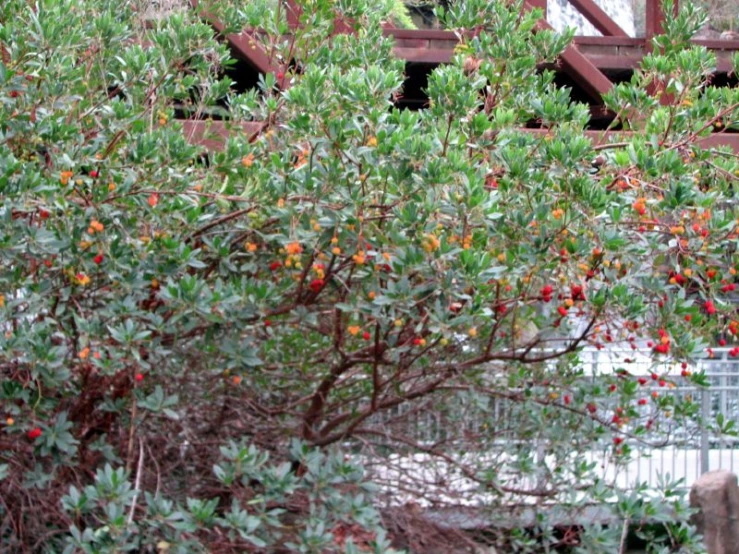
pixel 584 61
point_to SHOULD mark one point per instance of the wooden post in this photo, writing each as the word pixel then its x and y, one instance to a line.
pixel 654 25
pixel 293 13
pixel 654 20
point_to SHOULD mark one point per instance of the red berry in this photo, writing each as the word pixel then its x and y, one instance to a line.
pixel 612 388
pixel 43 214
pixel 642 401
pixel 93 174
pixel 688 317
pixel 662 383
pixel 592 408
pixel 366 335
pixel 34 433
pixel 316 285
pixel 267 323
pixel 98 259
pixel 710 308
pixel 274 266
pixel 655 376
pixel 562 311
pixel 139 377
pixel 567 399
pixel 642 381
pixel 722 342
pixel 617 440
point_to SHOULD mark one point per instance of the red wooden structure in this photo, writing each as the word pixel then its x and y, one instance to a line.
pixel 590 66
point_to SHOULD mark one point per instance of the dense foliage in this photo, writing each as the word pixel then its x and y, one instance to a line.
pixel 172 320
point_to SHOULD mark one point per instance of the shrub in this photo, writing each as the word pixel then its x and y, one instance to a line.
pixel 327 278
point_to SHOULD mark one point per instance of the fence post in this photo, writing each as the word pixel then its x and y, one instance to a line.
pixel 705 415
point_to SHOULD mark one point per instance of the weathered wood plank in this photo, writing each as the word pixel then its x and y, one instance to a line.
pixel 213 134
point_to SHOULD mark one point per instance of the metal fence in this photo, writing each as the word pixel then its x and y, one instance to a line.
pixel 692 447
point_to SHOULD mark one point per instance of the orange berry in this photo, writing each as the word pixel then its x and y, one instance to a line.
pixel 294 248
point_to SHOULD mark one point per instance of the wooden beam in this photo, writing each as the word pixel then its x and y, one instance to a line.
pixel 585 74
pixel 600 19
pixel 244 45
pixel 212 135
pixel 605 53
pixel 714 140
pixel 654 20
pixel 432 56
pixel 582 70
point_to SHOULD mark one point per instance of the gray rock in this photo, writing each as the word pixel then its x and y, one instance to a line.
pixel 716 495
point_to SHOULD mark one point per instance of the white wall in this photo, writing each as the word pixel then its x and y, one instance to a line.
pixel 561 14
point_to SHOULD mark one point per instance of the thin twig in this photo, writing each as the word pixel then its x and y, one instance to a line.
pixel 624 535
pixel 137 486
